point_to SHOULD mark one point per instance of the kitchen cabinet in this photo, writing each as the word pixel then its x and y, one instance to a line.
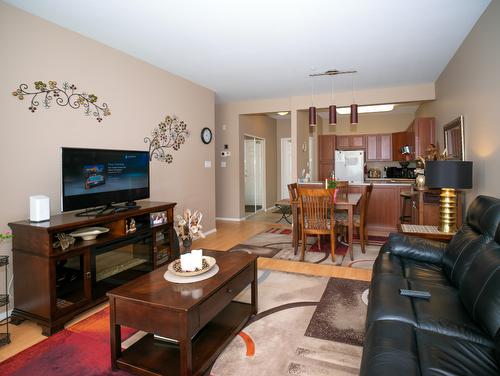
pixel 379 147
pixel 421 133
pixel 326 156
pixel 351 142
pixel 399 139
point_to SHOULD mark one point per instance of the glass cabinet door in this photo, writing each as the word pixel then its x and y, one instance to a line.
pixel 162 246
pixel 72 278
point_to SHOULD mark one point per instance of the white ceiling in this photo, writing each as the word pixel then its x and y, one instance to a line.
pixel 267 48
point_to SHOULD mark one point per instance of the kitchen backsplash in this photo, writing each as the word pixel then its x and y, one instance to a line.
pixel 381 165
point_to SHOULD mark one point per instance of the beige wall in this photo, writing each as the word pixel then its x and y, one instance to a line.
pixel 228 187
pixel 383 122
pixel 138 94
pixel 283 130
pixel 470 86
pixel 264 127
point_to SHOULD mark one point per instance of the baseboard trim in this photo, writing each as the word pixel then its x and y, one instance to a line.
pixel 230 219
pixel 272 207
pixel 206 233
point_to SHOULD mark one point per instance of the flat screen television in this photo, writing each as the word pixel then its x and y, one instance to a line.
pixel 98 177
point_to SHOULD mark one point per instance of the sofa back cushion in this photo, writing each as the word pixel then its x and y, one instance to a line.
pixel 480 290
pixel 482 221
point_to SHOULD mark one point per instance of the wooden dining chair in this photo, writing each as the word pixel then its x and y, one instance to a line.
pixel 359 219
pixel 293 193
pixel 315 219
pixel 342 188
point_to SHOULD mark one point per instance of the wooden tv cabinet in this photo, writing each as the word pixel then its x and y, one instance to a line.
pixel 51 286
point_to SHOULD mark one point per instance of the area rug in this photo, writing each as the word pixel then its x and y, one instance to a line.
pixel 277 341
pixel 277 243
pixel 82 349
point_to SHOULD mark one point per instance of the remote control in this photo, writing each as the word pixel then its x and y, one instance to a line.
pixel 415 293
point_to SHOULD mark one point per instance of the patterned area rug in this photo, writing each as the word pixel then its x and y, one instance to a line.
pixel 294 333
pixel 282 339
pixel 277 243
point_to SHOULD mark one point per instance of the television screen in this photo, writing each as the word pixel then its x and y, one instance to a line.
pixel 94 177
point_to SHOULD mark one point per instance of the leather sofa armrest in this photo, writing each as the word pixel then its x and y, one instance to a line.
pixel 415 248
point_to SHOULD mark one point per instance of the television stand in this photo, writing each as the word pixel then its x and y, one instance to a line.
pixel 62 284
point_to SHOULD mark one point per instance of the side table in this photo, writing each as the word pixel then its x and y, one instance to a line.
pixel 426 232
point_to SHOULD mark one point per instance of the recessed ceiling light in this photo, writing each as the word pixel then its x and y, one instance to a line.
pixel 283 113
pixel 367 109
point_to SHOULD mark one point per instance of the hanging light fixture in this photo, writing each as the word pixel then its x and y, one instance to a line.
pixel 312 109
pixel 354 106
pixel 332 110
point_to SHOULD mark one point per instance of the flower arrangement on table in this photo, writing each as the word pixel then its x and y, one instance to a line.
pixel 330 183
pixel 188 227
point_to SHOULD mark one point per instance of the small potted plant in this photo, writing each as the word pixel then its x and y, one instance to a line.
pixel 5 235
pixel 188 228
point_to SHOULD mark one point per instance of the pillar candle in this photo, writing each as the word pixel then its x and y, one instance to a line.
pixel 197 258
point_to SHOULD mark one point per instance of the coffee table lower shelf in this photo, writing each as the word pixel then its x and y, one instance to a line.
pixel 152 357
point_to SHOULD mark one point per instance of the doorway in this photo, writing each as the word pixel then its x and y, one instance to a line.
pixel 254 162
pixel 286 166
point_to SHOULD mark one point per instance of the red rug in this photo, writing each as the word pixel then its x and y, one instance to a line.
pixel 278 230
pixel 341 249
pixel 82 349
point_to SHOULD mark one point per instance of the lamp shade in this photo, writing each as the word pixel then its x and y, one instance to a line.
pixel 332 115
pixel 312 116
pixel 354 114
pixel 448 174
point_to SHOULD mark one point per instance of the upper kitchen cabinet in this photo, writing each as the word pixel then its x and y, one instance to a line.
pixel 420 133
pixel 424 133
pixel 326 156
pixel 351 142
pixel 399 139
pixel 379 147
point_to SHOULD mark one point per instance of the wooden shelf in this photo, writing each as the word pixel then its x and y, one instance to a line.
pixel 162 358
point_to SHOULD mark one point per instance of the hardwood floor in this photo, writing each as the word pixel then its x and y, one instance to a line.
pixel 227 236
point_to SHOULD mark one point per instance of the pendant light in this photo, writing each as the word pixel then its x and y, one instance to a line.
pixel 354 106
pixel 312 109
pixel 332 110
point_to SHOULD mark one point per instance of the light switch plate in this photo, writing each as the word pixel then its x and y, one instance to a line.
pixel 208 164
pixel 223 164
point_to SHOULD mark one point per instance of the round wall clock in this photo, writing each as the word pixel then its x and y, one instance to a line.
pixel 206 135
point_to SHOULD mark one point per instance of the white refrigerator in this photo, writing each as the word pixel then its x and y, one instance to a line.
pixel 349 165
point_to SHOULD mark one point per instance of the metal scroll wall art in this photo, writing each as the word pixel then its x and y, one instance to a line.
pixel 68 95
pixel 170 133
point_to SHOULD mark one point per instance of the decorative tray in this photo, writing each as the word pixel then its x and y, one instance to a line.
pixel 89 233
pixel 175 267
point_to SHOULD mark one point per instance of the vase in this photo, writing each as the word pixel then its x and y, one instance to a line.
pixel 186 245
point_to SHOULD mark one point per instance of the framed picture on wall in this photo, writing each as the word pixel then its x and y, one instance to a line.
pixel 454 138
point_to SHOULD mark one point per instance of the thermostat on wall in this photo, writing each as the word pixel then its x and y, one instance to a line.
pixel 225 153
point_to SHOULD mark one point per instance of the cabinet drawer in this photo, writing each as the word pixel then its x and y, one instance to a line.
pixel 222 297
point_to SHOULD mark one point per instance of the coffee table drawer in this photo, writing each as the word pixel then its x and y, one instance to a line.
pixel 222 297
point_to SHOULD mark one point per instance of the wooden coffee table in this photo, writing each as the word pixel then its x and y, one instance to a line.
pixel 200 318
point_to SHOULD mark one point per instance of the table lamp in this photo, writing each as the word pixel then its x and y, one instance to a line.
pixel 448 175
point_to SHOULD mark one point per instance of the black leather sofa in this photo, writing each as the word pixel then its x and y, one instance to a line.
pixel 456 331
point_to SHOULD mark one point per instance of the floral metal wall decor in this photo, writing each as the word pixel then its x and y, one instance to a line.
pixel 170 133
pixel 65 96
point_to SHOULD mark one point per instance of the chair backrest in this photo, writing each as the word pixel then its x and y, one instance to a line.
pixel 315 208
pixel 365 201
pixel 293 192
pixel 342 189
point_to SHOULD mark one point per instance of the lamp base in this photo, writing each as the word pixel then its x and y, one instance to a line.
pixel 448 211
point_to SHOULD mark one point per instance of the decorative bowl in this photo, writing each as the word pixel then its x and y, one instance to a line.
pixel 175 267
pixel 89 233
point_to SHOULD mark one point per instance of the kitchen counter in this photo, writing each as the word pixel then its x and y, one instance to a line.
pixel 392 182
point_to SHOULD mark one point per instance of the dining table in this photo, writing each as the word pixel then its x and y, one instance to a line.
pixel 347 202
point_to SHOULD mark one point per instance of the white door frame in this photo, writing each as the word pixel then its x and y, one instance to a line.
pixel 283 183
pixel 263 168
